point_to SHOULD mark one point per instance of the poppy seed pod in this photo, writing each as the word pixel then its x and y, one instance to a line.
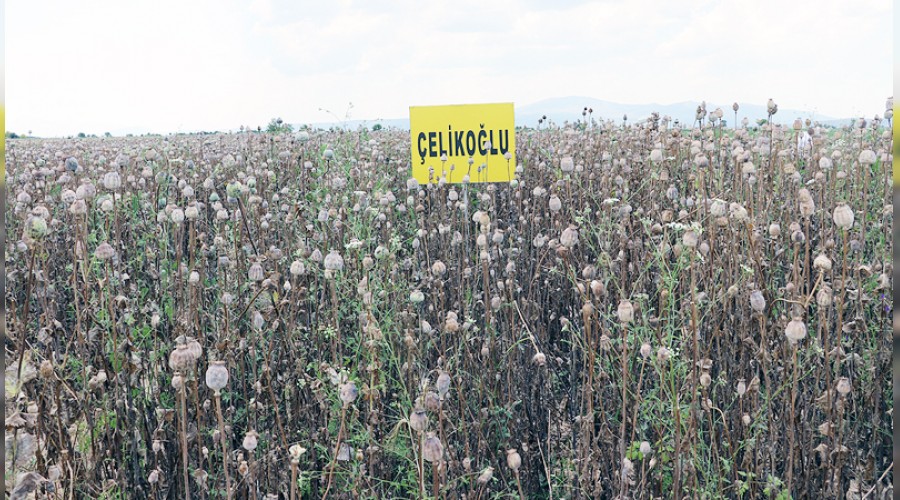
pixel 513 459
pixel 195 350
pixel 191 212
pixel 625 311
pixel 843 386
pixel 806 204
pixel 46 369
pixel 646 350
pixel 843 216
pixel 757 301
pixel 539 359
pixel 867 157
pixel 104 251
pixel 37 227
pixel 824 296
pixel 255 273
pixel 432 449
pixel 297 268
pixel 689 239
pixel 443 384
pixel 177 382
pixel 645 448
pixel 296 451
pixel 486 475
pixel 217 376
pixel 569 237
pixel 432 401
pixel 418 420
pixel 251 440
pixel 822 263
pixel 663 354
pixel 348 393
pixel 334 261
pixel 795 331
pixel 181 359
pixel 555 203
pixel 112 181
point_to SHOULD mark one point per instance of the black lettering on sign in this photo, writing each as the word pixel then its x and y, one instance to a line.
pixel 421 147
pixel 482 136
pixel 431 144
pixel 504 140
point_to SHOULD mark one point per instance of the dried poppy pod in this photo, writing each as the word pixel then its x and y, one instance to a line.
pixel 418 420
pixel 432 401
pixel 822 263
pixel 178 381
pixel 104 251
pixel 757 301
pixel 795 331
pixel 181 359
pixel 646 350
pixel 569 237
pixel 217 376
pixel 843 216
pixel 513 459
pixel 486 475
pixel 663 354
pixel 112 181
pixel 443 384
pixel 296 451
pixel 194 348
pixel 46 369
pixel 297 268
pixel 255 273
pixel 334 261
pixel 689 239
pixel 625 312
pixel 555 204
pixel 251 440
pixel 867 157
pixel 824 296
pixel 806 203
pixel 843 386
pixel 432 449
pixel 539 359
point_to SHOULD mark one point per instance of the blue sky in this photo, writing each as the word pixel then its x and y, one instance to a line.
pixel 167 66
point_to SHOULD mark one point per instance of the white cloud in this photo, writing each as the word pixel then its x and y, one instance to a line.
pixel 168 65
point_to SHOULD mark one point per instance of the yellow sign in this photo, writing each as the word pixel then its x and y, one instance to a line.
pixel 474 142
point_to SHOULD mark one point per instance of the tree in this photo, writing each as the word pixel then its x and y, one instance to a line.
pixel 278 126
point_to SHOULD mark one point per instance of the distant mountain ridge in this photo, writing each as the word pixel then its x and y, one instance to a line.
pixel 562 109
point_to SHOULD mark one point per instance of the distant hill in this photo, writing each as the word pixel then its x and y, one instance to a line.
pixel 562 109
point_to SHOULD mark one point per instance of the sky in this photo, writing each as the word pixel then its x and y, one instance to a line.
pixel 167 66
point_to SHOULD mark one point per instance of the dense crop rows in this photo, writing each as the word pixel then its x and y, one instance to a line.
pixel 646 311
